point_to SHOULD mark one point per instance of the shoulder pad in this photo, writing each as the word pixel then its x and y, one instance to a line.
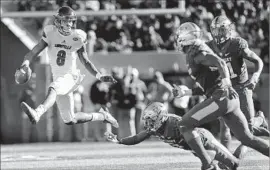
pixel 48 28
pixel 240 42
pixel 82 35
pixel 199 46
pixel 174 116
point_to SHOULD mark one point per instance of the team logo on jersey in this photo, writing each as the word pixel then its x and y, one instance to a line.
pixel 75 39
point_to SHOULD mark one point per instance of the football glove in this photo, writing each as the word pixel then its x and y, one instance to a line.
pixel 105 78
pixel 251 83
pixel 111 137
pixel 179 91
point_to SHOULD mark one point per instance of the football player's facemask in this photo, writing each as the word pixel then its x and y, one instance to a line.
pixel 221 29
pixel 154 115
pixel 65 20
pixel 186 35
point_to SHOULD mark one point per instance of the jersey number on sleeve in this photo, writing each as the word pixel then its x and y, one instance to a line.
pixel 232 74
pixel 61 57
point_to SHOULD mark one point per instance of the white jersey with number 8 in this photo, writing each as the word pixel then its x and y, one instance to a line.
pixel 62 50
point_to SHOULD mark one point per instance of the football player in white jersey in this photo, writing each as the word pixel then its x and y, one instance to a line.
pixel 64 41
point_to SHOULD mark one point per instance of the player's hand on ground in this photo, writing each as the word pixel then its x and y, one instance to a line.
pixel 178 91
pixel 107 78
pixel 111 137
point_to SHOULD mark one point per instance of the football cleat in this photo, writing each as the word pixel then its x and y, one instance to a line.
pixel 108 117
pixel 31 113
pixel 212 166
pixel 23 75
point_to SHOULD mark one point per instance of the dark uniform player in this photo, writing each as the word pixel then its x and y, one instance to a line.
pixel 212 74
pixel 234 50
pixel 158 122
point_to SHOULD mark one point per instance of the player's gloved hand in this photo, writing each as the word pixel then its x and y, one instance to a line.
pixel 106 78
pixel 251 83
pixel 111 137
pixel 24 66
pixel 178 91
pixel 231 93
pixel 251 128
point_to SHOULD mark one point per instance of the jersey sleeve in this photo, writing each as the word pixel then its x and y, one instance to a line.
pixel 241 44
pixel 82 35
pixel 199 52
pixel 46 31
pixel 133 140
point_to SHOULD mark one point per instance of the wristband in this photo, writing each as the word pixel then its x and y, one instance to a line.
pixel 26 63
pixel 98 75
pixel 256 76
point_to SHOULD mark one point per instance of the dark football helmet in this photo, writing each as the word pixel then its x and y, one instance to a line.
pixel 65 20
pixel 221 29
pixel 154 115
pixel 186 34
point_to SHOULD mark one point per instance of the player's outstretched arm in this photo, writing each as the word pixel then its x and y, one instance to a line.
pixel 131 140
pixel 91 68
pixel 254 58
pixel 34 52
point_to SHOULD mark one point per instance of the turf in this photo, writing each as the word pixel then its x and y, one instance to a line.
pixel 150 155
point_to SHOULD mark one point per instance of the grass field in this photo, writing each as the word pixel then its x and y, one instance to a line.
pixel 149 155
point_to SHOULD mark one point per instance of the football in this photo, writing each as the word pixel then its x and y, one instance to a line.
pixel 23 75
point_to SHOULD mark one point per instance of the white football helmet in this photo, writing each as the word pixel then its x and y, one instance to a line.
pixel 65 20
pixel 154 115
pixel 186 34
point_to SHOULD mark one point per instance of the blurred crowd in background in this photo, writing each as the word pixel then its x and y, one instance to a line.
pixel 142 33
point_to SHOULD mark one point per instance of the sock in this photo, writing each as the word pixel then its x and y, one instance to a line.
pixel 223 155
pixel 40 110
pixel 240 151
pixel 194 141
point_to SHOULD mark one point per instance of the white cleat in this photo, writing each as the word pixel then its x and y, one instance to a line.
pixel 109 118
pixel 31 113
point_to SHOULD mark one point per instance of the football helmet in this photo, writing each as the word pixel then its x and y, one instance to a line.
pixel 186 34
pixel 65 20
pixel 221 29
pixel 154 115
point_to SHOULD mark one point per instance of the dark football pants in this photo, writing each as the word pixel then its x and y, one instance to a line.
pixel 247 107
pixel 229 109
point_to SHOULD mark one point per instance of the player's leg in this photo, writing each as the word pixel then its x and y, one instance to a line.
pixel 65 104
pixel 202 113
pixel 222 155
pixel 239 126
pixel 62 85
pixel 35 114
pixel 225 133
pixel 246 103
